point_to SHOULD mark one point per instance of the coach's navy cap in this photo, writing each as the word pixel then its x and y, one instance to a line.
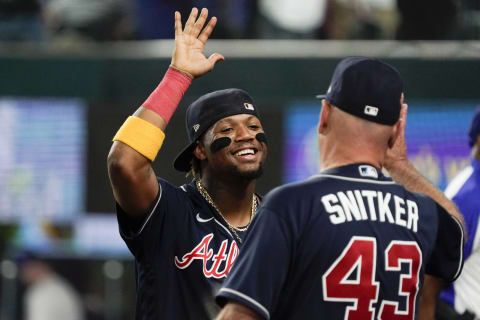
pixel 474 130
pixel 207 110
pixel 367 88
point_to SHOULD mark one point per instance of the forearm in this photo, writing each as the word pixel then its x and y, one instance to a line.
pixel 235 311
pixel 428 298
pixel 404 173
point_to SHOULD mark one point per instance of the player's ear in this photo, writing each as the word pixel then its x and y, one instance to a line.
pixel 324 117
pixel 199 151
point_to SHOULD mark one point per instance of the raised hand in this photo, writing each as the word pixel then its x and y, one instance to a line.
pixel 189 44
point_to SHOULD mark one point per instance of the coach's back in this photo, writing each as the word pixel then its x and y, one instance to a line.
pixel 350 243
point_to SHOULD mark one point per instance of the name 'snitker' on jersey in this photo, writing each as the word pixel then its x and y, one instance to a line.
pixel 203 253
pixel 352 205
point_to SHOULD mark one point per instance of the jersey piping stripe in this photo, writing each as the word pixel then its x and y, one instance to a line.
pixel 228 231
pixel 153 210
pixel 476 240
pixel 245 297
pixel 457 183
pixel 352 179
pixel 459 269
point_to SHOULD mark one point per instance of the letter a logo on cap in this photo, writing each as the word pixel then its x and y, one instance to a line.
pixel 196 127
pixel 248 106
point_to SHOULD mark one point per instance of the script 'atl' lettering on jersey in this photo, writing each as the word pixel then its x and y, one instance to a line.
pixel 204 254
pixel 371 205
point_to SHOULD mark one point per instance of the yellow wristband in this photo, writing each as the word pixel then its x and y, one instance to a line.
pixel 142 136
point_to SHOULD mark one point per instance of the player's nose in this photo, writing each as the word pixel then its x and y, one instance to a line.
pixel 243 133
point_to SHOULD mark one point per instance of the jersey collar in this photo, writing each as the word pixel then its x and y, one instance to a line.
pixel 358 170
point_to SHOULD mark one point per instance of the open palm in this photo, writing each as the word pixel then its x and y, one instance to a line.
pixel 189 44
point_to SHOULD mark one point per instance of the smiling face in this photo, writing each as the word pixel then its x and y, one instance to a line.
pixel 244 156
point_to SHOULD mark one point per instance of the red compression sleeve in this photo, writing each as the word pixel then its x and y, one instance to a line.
pixel 167 95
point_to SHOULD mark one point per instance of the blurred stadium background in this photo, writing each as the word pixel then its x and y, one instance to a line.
pixel 72 71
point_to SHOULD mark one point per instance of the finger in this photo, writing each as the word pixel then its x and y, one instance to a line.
pixel 214 58
pixel 178 24
pixel 191 19
pixel 208 30
pixel 403 111
pixel 403 116
pixel 200 22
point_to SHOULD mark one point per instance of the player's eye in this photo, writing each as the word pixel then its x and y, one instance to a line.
pixel 254 127
pixel 226 130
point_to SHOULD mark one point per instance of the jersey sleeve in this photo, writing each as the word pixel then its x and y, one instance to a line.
pixel 165 209
pixel 446 261
pixel 259 272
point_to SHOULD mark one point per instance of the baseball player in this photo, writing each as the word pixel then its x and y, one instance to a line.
pixel 349 243
pixel 185 239
pixel 461 300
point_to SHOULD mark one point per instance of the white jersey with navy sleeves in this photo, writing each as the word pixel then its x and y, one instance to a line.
pixel 183 252
pixel 346 244
pixel 464 190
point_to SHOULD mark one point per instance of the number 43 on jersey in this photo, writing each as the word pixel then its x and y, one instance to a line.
pixel 361 289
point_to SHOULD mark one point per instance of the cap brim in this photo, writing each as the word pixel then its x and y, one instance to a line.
pixel 183 161
pixel 321 96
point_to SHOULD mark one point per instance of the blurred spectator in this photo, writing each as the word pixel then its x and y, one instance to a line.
pixel 469 20
pixel 47 296
pixel 99 20
pixel 235 18
pixel 291 19
pixel 427 19
pixel 154 18
pixel 20 20
pixel 364 19
pixel 461 300
pixel 464 294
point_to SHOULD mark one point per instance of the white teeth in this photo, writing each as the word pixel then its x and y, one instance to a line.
pixel 246 151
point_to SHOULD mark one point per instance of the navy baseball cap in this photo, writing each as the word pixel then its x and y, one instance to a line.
pixel 367 88
pixel 474 130
pixel 207 110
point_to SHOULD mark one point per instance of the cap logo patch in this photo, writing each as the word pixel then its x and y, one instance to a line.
pixel 196 127
pixel 248 106
pixel 371 111
pixel 368 171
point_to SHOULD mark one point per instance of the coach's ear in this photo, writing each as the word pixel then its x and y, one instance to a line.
pixel 398 131
pixel 323 122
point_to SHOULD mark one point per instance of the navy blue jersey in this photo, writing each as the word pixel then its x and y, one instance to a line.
pixel 346 244
pixel 183 251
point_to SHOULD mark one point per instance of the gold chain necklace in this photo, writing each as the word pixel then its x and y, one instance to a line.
pixel 207 197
